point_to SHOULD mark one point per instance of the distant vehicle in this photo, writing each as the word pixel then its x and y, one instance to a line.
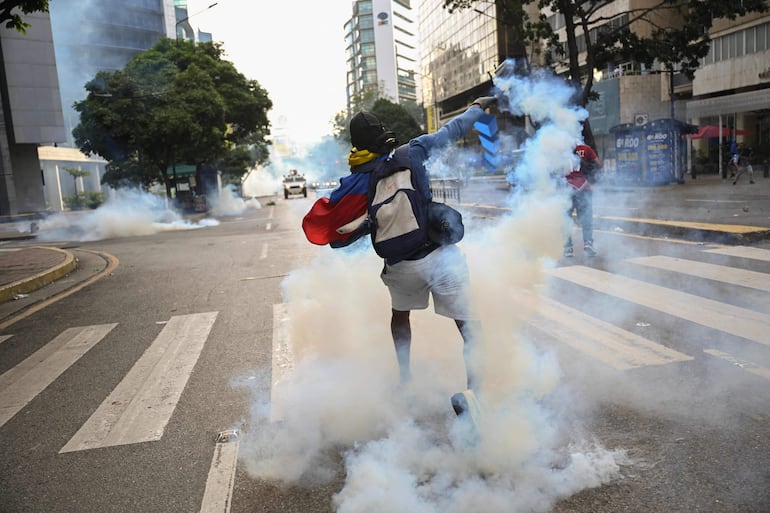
pixel 324 185
pixel 294 184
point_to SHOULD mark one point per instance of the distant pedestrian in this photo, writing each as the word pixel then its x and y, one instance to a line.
pixel 744 165
pixel 581 198
pixel 733 164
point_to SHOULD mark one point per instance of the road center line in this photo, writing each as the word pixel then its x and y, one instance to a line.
pixel 139 408
pixel 19 385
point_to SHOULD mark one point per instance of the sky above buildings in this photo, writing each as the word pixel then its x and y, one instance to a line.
pixel 294 48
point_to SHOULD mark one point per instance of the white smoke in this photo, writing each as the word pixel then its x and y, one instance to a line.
pixel 403 447
pixel 260 182
pixel 129 212
pixel 229 203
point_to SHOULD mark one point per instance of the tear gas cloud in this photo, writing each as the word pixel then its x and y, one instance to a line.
pixel 126 213
pixel 403 446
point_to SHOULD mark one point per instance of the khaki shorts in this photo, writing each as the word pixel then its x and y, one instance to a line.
pixel 443 273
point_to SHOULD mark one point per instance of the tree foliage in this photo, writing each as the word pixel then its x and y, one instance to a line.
pixel 13 20
pixel 677 34
pixel 178 102
pixel 394 116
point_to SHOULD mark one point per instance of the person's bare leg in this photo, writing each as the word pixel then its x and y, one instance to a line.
pixel 468 330
pixel 401 330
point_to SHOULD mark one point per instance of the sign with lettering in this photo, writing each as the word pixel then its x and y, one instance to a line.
pixel 659 148
pixel 628 148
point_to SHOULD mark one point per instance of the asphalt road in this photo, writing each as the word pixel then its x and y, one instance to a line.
pixel 625 382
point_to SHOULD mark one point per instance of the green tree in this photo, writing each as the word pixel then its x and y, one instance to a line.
pixel 13 20
pixel 359 102
pixel 394 116
pixel 76 173
pixel 677 34
pixel 178 102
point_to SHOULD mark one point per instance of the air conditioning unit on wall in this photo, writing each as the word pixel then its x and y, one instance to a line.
pixel 641 119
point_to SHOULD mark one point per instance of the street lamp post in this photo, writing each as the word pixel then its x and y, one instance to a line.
pixel 176 27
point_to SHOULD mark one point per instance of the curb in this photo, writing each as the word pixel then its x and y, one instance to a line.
pixel 42 279
pixel 686 230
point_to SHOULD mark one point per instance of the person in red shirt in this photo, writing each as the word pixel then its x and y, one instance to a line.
pixel 581 198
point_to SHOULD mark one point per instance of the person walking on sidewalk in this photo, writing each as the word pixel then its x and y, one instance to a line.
pixel 581 198
pixel 744 165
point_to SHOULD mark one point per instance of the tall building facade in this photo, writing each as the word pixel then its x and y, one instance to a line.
pixel 382 50
pixel 460 53
pixel 730 89
pixel 90 37
pixel 30 112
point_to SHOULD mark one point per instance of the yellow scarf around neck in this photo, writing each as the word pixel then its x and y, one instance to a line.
pixel 358 157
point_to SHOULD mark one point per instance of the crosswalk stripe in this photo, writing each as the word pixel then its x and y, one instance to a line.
pixel 721 273
pixel 19 385
pixel 217 496
pixel 743 252
pixel 3 338
pixel 283 358
pixel 601 340
pixel 707 312
pixel 139 408
pixel 743 364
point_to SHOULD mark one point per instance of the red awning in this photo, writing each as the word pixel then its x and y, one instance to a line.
pixel 710 131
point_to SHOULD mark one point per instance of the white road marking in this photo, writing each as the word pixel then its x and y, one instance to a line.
pixel 217 497
pixel 268 226
pixel 19 385
pixel 715 200
pixel 721 273
pixel 141 405
pixel 743 364
pixel 707 312
pixel 3 338
pixel 743 252
pixel 601 340
pixel 263 254
pixel 283 358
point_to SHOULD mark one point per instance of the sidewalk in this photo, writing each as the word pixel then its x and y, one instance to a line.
pixel 706 209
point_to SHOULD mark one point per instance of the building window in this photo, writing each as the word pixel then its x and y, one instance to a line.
pixel 370 77
pixel 762 37
pixel 367 36
pixel 367 49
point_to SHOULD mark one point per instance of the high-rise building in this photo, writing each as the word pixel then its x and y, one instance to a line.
pixel 382 49
pixel 30 112
pixel 90 37
pixel 460 52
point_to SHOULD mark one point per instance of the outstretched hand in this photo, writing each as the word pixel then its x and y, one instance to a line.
pixel 485 101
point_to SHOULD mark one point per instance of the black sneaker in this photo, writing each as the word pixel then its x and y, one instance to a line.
pixel 751 181
pixel 588 249
pixel 465 404
pixel 569 252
